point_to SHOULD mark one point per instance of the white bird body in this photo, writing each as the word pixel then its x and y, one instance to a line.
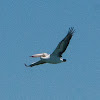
pixel 56 56
pixel 52 59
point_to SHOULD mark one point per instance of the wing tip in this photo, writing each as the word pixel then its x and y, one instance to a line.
pixel 71 30
pixel 27 65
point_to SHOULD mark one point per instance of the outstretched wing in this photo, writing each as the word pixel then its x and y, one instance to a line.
pixel 62 46
pixel 36 63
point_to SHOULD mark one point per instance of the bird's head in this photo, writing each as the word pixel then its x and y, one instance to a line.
pixel 40 55
pixel 37 55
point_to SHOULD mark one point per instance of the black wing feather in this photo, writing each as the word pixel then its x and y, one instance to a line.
pixel 36 63
pixel 62 46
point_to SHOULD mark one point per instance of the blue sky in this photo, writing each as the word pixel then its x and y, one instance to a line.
pixel 28 27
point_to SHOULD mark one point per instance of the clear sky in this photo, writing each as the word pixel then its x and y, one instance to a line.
pixel 28 27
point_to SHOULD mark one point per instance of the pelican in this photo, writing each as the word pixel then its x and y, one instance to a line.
pixel 56 56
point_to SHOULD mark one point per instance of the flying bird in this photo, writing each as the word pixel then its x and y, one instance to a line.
pixel 56 56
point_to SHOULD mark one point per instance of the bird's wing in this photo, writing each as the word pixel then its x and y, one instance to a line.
pixel 62 46
pixel 36 63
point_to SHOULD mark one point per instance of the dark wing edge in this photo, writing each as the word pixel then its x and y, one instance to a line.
pixel 36 63
pixel 62 46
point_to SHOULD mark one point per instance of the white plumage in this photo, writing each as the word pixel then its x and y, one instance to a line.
pixel 56 56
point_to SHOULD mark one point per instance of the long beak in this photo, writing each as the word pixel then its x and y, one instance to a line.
pixel 37 55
